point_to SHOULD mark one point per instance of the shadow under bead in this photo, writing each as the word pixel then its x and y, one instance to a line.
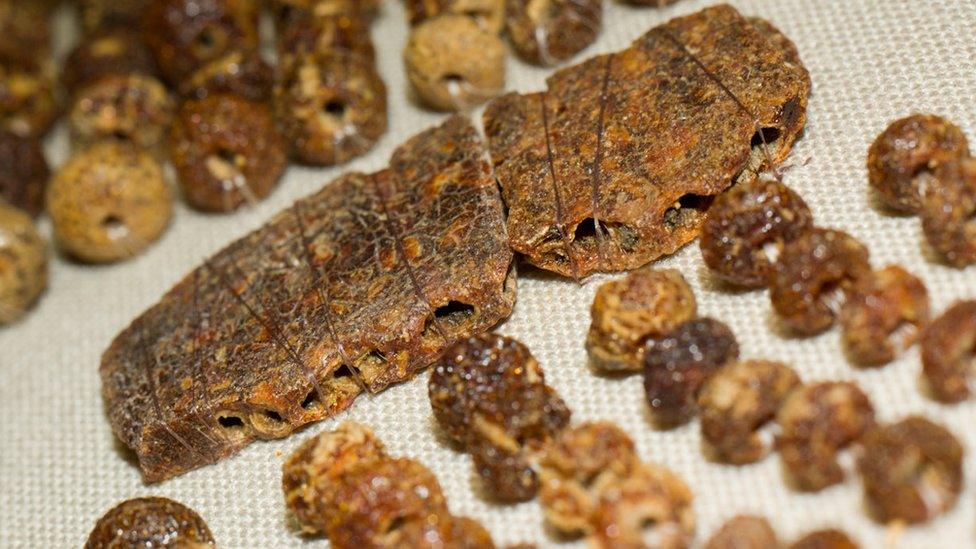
pixel 185 35
pixel 23 264
pixel 133 108
pixel 454 64
pixel 331 107
pixel 547 32
pixel 150 522
pixel 227 152
pixel 28 105
pixel 23 172
pixel 110 50
pixel 108 203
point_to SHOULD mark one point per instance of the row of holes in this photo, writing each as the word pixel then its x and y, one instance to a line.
pixel 453 312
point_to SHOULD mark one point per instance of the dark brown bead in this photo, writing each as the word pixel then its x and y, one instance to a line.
pixel 150 522
pixel 911 471
pixel 625 313
pixel 949 212
pixel 816 422
pixel 744 532
pixel 304 31
pixel 185 35
pixel 23 264
pixel 902 158
pixel 331 107
pixel 132 108
pixel 100 14
pixel 550 31
pixel 736 401
pixel 879 305
pixel 808 270
pixel 109 50
pixel 242 73
pixel 489 395
pixel 748 226
pixel 28 106
pixel 226 151
pixel 25 33
pixel 23 172
pixel 677 364
pixel 948 350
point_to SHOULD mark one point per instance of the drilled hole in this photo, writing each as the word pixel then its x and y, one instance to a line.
pixel 207 42
pixel 112 223
pixel 227 155
pixel 311 400
pixel 395 525
pixel 454 312
pixel 232 423
pixel 273 416
pixel 334 108
pixel 765 135
pixel 372 360
pixel 120 135
pixel 687 211
pixel 586 230
pixel 452 78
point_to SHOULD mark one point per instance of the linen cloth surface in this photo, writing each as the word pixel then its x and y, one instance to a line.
pixel 871 62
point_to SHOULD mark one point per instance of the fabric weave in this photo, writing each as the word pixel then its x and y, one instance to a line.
pixel 871 62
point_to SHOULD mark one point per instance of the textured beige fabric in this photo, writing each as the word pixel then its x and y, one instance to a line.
pixel 871 61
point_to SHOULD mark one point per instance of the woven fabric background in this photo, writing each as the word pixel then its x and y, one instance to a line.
pixel 871 62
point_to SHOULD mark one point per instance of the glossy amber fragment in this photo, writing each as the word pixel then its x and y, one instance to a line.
pixel 615 164
pixel 362 284
pixel 489 394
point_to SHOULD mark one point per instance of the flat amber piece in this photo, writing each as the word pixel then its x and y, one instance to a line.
pixel 362 284
pixel 616 162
